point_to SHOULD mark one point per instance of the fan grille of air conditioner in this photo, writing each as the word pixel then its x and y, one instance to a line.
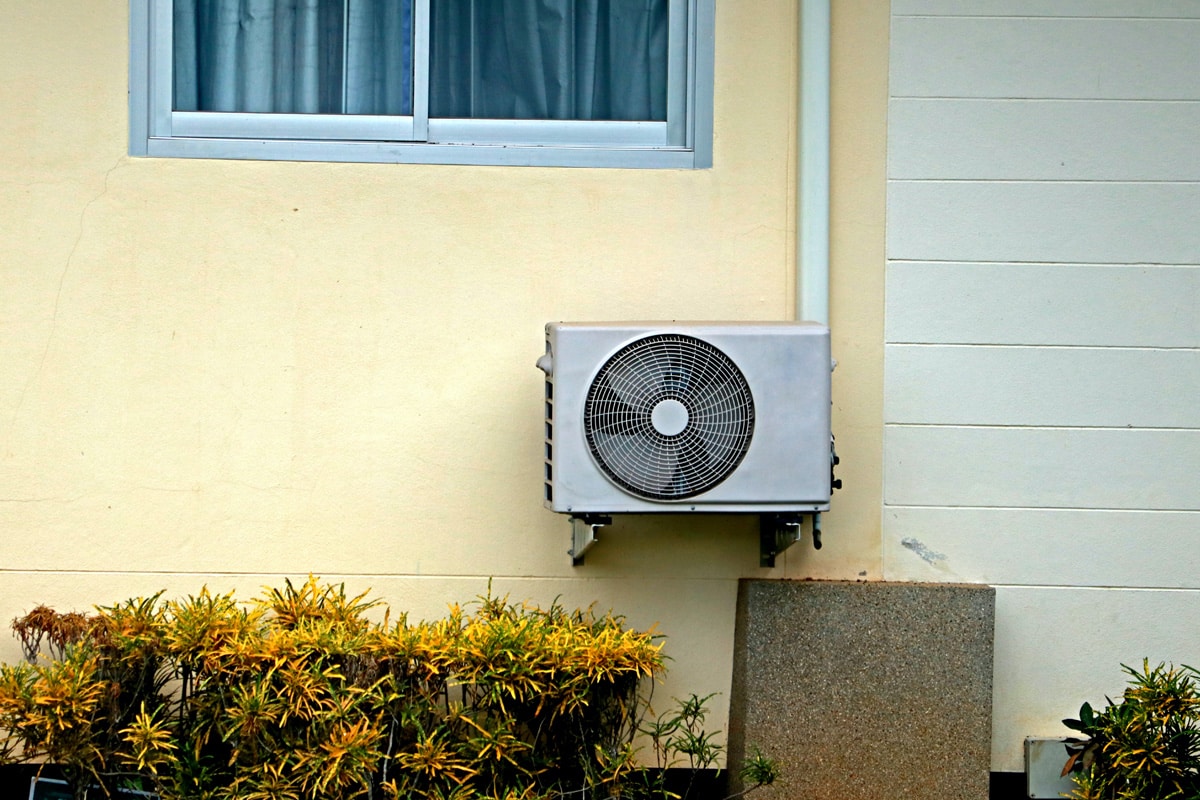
pixel 668 417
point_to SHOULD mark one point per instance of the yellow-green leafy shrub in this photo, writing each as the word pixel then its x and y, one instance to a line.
pixel 302 693
pixel 1143 746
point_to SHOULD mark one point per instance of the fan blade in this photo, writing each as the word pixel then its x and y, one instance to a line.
pixel 611 415
pixel 722 449
pixel 614 448
pixel 722 434
pixel 666 468
pixel 630 381
pixel 673 375
pixel 712 397
pixel 714 444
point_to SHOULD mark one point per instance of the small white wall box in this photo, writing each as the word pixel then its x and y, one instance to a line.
pixel 1044 760
pixel 669 417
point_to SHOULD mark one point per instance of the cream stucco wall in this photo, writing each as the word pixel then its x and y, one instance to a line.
pixel 230 372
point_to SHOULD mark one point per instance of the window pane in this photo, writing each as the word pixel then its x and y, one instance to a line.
pixel 293 56
pixel 549 59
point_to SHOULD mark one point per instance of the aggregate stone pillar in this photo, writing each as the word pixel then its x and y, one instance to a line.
pixel 865 691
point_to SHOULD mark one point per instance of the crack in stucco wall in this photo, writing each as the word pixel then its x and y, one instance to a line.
pixel 62 280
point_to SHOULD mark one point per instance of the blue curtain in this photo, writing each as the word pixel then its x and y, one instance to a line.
pixel 490 59
pixel 293 56
pixel 549 59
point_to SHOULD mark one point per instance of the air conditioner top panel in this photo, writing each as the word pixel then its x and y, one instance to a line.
pixel 690 326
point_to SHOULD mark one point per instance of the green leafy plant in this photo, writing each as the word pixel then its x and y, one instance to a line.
pixel 680 734
pixel 1143 746
pixel 680 740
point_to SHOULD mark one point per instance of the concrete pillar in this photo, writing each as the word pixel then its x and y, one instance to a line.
pixel 865 691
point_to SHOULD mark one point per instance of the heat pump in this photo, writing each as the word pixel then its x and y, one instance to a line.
pixel 661 417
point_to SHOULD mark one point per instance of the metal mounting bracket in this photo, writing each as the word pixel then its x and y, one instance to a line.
pixel 583 534
pixel 778 532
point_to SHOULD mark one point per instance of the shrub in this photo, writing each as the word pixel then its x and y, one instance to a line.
pixel 299 694
pixel 1144 746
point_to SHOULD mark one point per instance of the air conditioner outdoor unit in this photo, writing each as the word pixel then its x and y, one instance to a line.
pixel 654 417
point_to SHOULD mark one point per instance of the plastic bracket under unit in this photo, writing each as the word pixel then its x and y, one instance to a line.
pixel 778 532
pixel 583 534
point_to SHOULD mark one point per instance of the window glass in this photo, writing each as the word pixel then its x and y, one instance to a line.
pixel 549 59
pixel 293 56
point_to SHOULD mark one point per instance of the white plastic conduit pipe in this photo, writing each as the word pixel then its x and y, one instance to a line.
pixel 812 165
pixel 812 178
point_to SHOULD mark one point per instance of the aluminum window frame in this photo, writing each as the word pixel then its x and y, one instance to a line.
pixel 683 141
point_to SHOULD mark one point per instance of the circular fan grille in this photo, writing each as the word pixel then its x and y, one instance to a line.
pixel 668 417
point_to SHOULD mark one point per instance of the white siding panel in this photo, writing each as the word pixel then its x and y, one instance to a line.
pixel 1101 223
pixel 1043 140
pixel 1075 386
pixel 1041 467
pixel 1054 304
pixel 1045 57
pixel 1043 292
pixel 1041 8
pixel 1056 648
pixel 1043 547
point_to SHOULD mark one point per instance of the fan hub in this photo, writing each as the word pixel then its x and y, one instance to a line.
pixel 670 417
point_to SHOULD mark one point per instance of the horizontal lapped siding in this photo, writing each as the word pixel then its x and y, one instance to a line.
pixel 1065 222
pixel 1015 304
pixel 1059 387
pixel 1051 139
pixel 1018 57
pixel 1042 357
pixel 1020 466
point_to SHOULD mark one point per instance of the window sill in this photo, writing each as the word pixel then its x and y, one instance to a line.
pixel 402 153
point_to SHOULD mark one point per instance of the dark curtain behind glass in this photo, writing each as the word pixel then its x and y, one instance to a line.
pixel 293 56
pixel 549 59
